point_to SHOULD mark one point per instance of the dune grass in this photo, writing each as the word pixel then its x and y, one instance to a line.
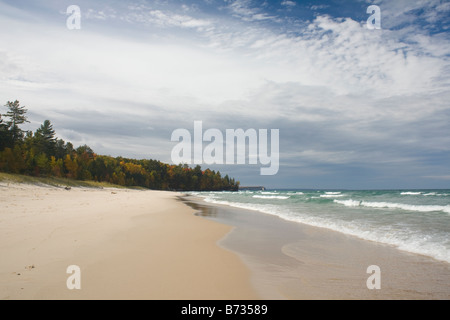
pixel 55 182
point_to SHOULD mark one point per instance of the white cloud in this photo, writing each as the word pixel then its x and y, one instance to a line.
pixel 104 14
pixel 319 7
pixel 288 3
pixel 244 10
pixel 406 12
pixel 176 20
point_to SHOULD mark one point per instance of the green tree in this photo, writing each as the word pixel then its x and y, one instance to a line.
pixel 85 149
pixel 45 138
pixel 60 149
pixel 16 115
pixel 42 163
pixel 69 148
pixel 4 135
pixel 11 160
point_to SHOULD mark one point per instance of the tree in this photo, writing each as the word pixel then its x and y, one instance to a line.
pixel 45 138
pixel 42 164
pixel 60 149
pixel 16 115
pixel 71 166
pixel 56 166
pixel 85 149
pixel 11 160
pixel 4 135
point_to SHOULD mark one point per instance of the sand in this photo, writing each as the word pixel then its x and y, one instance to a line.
pixel 128 244
pixel 132 244
pixel 295 261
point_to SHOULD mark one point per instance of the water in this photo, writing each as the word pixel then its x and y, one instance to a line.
pixel 416 221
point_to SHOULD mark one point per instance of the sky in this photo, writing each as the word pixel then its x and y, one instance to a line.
pixel 356 108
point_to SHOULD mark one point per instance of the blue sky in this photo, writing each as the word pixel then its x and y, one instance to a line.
pixel 356 108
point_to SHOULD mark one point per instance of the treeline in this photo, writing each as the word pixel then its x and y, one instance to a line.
pixel 41 153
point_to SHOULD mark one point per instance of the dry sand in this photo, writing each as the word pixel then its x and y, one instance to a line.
pixel 129 244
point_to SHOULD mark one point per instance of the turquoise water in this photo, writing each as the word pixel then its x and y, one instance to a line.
pixel 416 221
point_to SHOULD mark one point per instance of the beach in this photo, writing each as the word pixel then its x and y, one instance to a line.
pixel 128 244
pixel 136 244
pixel 293 261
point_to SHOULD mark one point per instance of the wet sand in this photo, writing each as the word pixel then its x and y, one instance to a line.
pixel 296 261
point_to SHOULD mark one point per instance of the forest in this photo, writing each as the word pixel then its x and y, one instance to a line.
pixel 41 153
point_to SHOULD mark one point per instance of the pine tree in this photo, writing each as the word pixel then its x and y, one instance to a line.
pixel 45 138
pixel 16 115
pixel 4 135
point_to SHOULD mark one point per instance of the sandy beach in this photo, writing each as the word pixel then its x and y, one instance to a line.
pixel 133 244
pixel 296 261
pixel 128 244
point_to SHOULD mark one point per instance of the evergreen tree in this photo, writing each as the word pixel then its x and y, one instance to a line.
pixel 4 135
pixel 60 149
pixel 69 148
pixel 45 139
pixel 16 115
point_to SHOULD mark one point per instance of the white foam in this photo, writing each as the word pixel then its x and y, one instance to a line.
pixel 271 197
pixel 393 205
pixel 405 239
pixel 331 195
pixel 267 192
pixel 333 192
pixel 349 203
pixel 425 194
pixel 410 207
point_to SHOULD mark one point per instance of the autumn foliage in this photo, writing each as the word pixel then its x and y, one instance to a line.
pixel 42 154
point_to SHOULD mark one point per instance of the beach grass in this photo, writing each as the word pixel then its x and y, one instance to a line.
pixel 56 182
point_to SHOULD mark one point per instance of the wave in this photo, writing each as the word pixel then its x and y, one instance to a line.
pixel 271 197
pixel 393 205
pixel 331 195
pixel 436 194
pixel 267 192
pixel 405 240
pixel 416 193
pixel 349 203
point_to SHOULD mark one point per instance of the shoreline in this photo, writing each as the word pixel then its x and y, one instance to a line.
pixel 129 244
pixel 135 244
pixel 290 260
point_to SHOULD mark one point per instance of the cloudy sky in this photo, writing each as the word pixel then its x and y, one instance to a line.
pixel 356 108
